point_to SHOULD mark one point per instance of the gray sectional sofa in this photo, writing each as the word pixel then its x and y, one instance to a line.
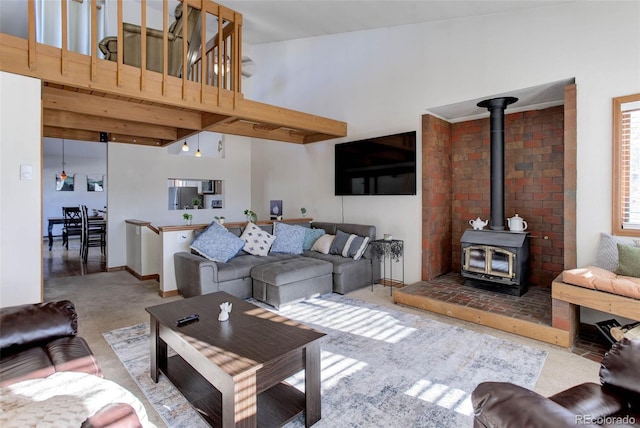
pixel 274 278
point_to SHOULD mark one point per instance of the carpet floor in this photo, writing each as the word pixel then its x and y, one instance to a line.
pixel 380 366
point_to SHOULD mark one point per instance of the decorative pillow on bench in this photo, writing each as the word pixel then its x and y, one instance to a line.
pixel 628 261
pixel 216 243
pixel 607 255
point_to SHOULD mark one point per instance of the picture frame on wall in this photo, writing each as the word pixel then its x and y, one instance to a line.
pixel 66 185
pixel 275 209
pixel 95 183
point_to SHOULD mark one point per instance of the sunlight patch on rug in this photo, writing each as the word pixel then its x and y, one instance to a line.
pixel 380 366
pixel 442 395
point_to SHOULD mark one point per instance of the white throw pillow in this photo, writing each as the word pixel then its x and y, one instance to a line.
pixel 258 242
pixel 323 244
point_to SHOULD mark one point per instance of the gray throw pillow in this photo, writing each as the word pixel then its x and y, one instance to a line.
pixel 607 255
pixel 349 245
pixel 216 243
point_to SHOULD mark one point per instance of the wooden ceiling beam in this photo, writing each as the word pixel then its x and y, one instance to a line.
pixel 70 134
pixel 60 99
pixel 85 122
pixel 248 129
pixel 210 119
pixel 135 139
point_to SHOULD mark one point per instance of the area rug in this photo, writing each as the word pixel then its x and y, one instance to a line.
pixel 380 367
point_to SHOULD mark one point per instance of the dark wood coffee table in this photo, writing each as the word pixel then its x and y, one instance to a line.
pixel 232 372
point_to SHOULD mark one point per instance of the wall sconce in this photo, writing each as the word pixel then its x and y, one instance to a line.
pixel 219 146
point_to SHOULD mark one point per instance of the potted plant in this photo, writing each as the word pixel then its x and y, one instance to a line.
pixel 303 211
pixel 195 203
pixel 187 218
pixel 251 216
pixel 219 219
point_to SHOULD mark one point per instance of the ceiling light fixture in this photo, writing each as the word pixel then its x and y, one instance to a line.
pixel 63 175
pixel 185 146
pixel 198 152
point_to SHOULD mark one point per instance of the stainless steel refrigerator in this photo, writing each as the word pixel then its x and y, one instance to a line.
pixel 182 197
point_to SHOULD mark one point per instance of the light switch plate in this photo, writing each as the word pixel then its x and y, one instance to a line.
pixel 26 172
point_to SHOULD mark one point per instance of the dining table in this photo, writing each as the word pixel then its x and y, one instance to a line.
pixel 93 220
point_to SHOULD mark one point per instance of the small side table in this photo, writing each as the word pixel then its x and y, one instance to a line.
pixel 389 251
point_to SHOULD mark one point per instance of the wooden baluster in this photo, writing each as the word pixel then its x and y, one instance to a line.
pixel 143 44
pixel 94 39
pixel 64 57
pixel 31 11
pixel 165 46
pixel 185 31
pixel 203 50
pixel 120 44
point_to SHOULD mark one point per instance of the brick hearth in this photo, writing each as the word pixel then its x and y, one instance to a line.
pixel 448 295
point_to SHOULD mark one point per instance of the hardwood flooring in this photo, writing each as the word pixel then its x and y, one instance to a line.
pixel 60 262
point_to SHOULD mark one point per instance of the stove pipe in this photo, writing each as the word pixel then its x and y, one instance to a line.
pixel 496 108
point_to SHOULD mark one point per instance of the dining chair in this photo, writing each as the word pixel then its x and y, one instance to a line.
pixel 93 234
pixel 72 225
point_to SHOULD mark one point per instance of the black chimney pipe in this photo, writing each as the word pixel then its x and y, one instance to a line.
pixel 496 108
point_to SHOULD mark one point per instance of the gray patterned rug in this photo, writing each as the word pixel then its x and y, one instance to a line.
pixel 380 367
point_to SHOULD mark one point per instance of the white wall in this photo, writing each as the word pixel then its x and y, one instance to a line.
pixel 138 187
pixel 81 158
pixel 382 81
pixel 20 200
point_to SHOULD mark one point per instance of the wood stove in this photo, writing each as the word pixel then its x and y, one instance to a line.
pixel 496 259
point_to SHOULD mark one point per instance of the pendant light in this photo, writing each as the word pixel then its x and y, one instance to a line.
pixel 63 175
pixel 198 152
pixel 185 146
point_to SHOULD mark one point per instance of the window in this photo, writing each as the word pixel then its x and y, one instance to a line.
pixel 626 165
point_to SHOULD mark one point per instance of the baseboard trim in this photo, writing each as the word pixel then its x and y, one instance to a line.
pixel 142 277
pixel 116 268
pixel 169 293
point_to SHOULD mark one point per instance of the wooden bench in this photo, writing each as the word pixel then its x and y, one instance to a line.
pixel 567 299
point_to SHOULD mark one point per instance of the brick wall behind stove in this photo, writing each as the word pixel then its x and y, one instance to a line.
pixel 534 160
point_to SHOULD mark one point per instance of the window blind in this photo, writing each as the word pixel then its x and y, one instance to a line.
pixel 630 166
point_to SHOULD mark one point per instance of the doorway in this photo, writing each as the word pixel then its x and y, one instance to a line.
pixel 85 167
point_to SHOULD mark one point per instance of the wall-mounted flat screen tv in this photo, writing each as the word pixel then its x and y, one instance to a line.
pixel 377 166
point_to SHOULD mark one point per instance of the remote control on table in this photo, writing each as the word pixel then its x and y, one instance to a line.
pixel 188 319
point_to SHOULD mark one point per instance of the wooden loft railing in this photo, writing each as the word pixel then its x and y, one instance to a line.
pixel 85 96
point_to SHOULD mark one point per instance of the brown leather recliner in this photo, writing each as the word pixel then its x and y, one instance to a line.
pixel 38 340
pixel 615 402
pixel 132 47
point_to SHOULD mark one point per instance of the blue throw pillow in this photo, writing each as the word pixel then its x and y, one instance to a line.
pixel 289 239
pixel 217 243
pixel 310 236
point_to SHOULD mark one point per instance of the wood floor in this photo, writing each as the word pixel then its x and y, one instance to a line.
pixel 60 262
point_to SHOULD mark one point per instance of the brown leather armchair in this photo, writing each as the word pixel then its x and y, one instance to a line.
pixel 38 340
pixel 615 402
pixel 131 43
